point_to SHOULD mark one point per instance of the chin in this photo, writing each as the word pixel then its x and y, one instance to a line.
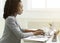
pixel 19 13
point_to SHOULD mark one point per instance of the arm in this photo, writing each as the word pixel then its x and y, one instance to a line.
pixel 36 32
pixel 10 22
pixel 27 30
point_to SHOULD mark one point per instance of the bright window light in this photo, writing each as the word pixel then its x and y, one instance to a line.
pixel 53 3
pixel 38 3
pixel 29 4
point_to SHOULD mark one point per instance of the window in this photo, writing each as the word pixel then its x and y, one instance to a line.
pixel 53 3
pixel 37 4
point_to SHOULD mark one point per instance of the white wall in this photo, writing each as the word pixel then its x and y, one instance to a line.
pixel 2 24
pixel 42 13
pixel 1 17
pixel 52 14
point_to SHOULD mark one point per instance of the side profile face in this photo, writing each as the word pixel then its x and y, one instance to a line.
pixel 20 8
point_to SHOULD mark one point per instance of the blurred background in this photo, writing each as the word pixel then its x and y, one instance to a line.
pixel 37 14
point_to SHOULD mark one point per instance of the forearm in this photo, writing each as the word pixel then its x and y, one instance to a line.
pixel 27 30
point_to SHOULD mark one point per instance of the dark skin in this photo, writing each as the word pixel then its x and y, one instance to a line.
pixel 26 30
pixel 36 32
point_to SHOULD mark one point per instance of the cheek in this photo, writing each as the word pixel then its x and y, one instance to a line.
pixel 20 11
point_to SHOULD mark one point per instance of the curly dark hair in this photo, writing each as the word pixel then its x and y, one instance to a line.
pixel 10 8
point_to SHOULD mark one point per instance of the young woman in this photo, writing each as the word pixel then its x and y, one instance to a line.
pixel 12 31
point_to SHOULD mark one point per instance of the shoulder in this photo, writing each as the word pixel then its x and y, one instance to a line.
pixel 10 18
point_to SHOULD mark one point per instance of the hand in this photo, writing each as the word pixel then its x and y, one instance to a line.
pixel 39 33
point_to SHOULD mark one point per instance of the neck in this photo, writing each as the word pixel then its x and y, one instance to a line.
pixel 14 15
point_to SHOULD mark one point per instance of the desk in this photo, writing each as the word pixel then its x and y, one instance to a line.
pixel 34 39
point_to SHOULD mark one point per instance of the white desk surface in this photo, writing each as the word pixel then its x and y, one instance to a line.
pixel 43 39
pixel 34 38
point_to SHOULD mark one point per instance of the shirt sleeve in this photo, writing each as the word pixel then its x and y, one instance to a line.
pixel 15 29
